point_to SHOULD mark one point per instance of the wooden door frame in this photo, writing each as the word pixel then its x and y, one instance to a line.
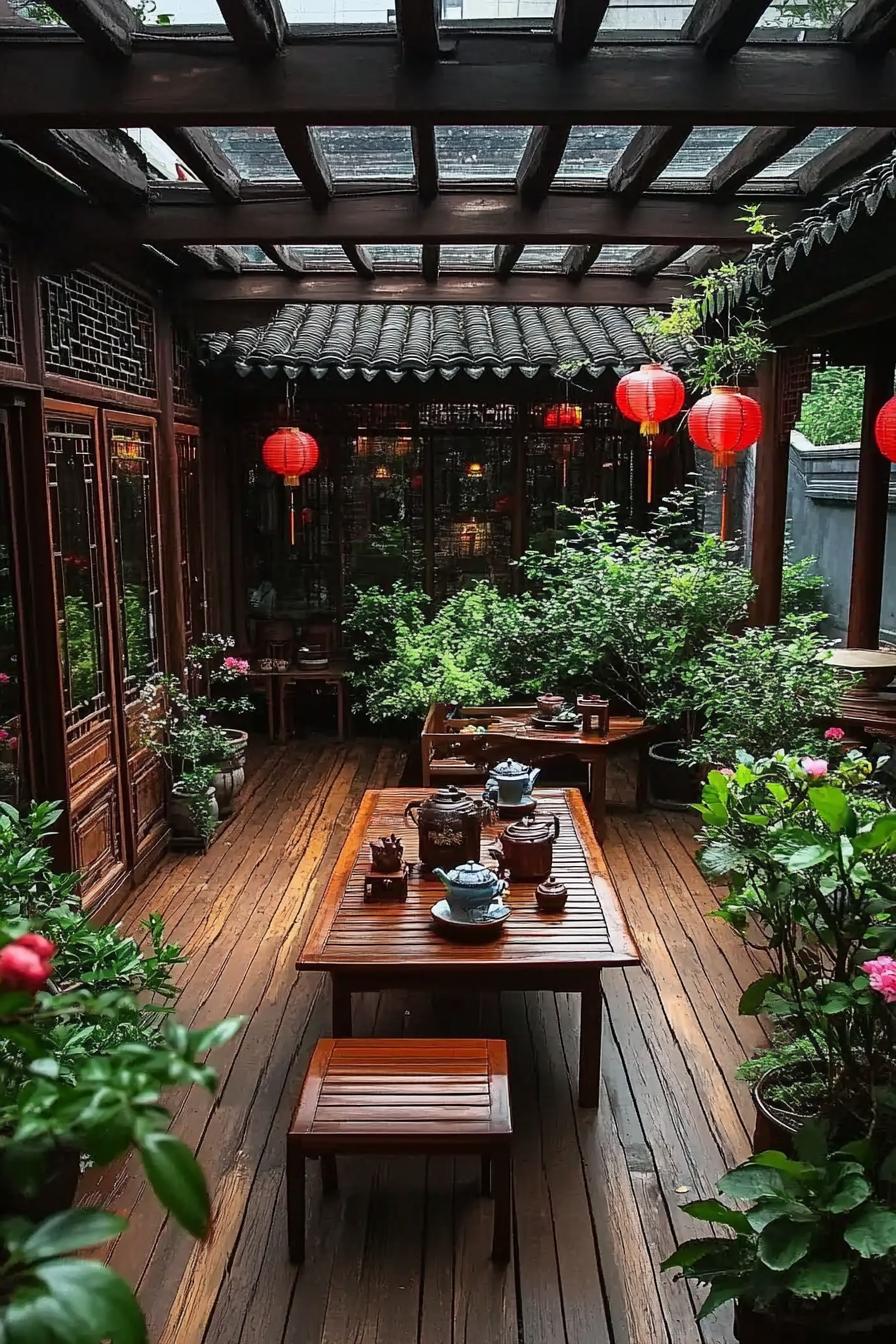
pixel 191 429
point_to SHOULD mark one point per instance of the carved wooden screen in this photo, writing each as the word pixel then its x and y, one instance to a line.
pixel 131 454
pixel 13 788
pixel 192 564
pixel 10 334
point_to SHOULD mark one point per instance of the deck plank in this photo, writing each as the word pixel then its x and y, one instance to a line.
pixel 401 1254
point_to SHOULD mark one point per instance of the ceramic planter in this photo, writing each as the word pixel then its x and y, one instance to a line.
pixel 672 783
pixel 179 813
pixel 228 782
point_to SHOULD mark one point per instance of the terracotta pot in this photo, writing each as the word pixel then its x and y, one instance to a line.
pixel 672 784
pixel 764 1327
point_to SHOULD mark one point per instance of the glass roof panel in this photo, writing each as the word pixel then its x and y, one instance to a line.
pixel 322 257
pixel 591 152
pixel 255 152
pixel 800 155
pixel 480 153
pixel 541 257
pixel 616 256
pixel 368 153
pixel 389 256
pixel 704 148
pixel 467 256
pixel 253 256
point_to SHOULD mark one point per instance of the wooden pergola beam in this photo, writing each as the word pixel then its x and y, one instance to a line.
pixel 721 27
pixel 846 158
pixel 426 160
pixel 106 26
pixel 869 25
pixel 258 27
pixel 650 150
pixel 262 287
pixel 417 22
pixel 578 260
pixel 506 257
pixel 502 79
pixel 576 23
pixel 206 159
pixel 541 159
pixel 757 150
pixel 462 216
pixel 430 255
pixel 302 147
pixel 360 259
pixel 651 260
pixel 283 257
pixel 107 164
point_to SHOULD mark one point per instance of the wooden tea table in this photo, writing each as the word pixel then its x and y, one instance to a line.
pixel 275 685
pixel 509 732
pixel 374 946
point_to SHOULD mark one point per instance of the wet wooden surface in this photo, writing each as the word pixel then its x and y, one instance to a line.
pixel 401 1255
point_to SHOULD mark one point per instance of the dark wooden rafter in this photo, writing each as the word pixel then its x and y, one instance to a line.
pixel 650 150
pixel 209 259
pixel 106 26
pixel 258 27
pixel 651 260
pixel 540 161
pixel 704 259
pixel 284 258
pixel 721 27
pixel 498 79
pixel 360 259
pixel 578 260
pixel 576 23
pixel 108 165
pixel 869 25
pixel 429 261
pixel 417 22
pixel 303 149
pixel 757 150
pixel 202 155
pixel 426 160
pixel 506 257
pixel 846 158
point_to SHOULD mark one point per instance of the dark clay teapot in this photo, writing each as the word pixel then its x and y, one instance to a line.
pixel 449 826
pixel 527 847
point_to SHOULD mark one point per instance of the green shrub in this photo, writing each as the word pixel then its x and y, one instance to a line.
pixel 832 409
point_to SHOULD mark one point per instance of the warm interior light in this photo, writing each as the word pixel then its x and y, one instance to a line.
pixel 475 469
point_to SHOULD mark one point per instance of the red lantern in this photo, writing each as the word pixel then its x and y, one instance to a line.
pixel 290 453
pixel 725 423
pixel 885 429
pixel 649 395
pixel 563 416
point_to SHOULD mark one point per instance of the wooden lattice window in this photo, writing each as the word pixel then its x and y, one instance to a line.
pixel 183 368
pixel 98 332
pixel 131 449
pixel 192 573
pixel 10 335
pixel 383 497
pixel 80 606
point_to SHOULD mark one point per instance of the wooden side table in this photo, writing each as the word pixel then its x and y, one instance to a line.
pixel 404 1095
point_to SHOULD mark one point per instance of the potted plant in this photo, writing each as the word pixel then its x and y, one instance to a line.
pixel 805 845
pixel 811 1257
pixel 193 807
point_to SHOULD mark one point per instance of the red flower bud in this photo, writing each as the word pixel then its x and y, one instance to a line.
pixel 35 942
pixel 20 968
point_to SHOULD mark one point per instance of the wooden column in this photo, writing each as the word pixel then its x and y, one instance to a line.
pixel 770 494
pixel 872 499
pixel 169 502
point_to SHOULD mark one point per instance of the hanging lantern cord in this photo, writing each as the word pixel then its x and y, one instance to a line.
pixel 723 526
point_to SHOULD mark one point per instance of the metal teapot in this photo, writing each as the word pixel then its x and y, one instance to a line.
pixel 449 826
pixel 471 887
pixel 510 782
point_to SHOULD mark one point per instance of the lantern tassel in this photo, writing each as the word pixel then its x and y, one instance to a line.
pixel 650 472
pixel 723 526
pixel 292 519
pixel 649 428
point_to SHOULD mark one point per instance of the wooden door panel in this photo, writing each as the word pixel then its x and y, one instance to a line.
pixel 96 843
pixel 148 801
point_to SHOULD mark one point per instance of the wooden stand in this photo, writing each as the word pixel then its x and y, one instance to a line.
pixel 386 886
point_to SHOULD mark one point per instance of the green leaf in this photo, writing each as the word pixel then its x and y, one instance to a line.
pixel 719 858
pixel 810 1143
pixel 882 833
pixel 832 805
pixel 819 1278
pixel 836 997
pixel 714 1211
pixel 44 1068
pixel 808 856
pixel 851 1190
pixel 72 1230
pixel 691 1252
pixel 778 1161
pixel 752 1182
pixel 722 1291
pixel 177 1179
pixel 872 1232
pixel 766 1211
pixel 209 1038
pixel 783 1242
pixel 752 999
pixel 96 1299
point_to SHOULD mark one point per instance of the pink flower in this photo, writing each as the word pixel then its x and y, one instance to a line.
pixel 834 735
pixel 21 967
pixel 726 771
pixel 4 678
pixel 13 743
pixel 236 665
pixel 813 767
pixel 882 974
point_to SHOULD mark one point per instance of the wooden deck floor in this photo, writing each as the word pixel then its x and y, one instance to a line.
pixel 401 1256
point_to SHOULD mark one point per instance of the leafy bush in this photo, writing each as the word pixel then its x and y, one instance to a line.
pixel 832 409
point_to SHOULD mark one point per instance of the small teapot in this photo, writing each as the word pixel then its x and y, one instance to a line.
pixel 527 847
pixel 549 705
pixel 471 887
pixel 510 782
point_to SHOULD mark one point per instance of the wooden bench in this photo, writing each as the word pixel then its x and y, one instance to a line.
pixel 378 1095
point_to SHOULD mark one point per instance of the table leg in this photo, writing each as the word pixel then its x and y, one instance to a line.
pixel 589 1043
pixel 486 1175
pixel 269 697
pixel 281 710
pixel 329 1176
pixel 340 711
pixel 641 785
pixel 425 755
pixel 295 1200
pixel 342 1008
pixel 501 1188
pixel 597 801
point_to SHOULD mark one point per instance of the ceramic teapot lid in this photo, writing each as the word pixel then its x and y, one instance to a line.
pixel 530 829
pixel 551 887
pixel 509 768
pixel 449 799
pixel 471 875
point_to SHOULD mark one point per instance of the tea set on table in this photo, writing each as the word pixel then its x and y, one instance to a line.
pixel 449 826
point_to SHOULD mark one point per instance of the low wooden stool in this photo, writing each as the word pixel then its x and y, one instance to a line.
pixel 404 1095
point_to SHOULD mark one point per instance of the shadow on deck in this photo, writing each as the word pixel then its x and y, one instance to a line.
pixel 400 1256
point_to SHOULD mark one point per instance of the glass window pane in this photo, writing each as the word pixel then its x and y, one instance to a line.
pixel 480 153
pixel 255 152
pixel 368 153
pixel 322 257
pixel 799 156
pixel 392 256
pixel 541 257
pixel 704 148
pixel 131 455
pixel 616 256
pixel 591 152
pixel 467 257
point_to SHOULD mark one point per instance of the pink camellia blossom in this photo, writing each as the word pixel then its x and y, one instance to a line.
pixel 834 735
pixel 38 944
pixel 4 678
pixel 23 968
pixel 814 767
pixel 882 974
pixel 236 665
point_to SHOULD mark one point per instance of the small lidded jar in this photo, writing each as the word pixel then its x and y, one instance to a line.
pixel 551 895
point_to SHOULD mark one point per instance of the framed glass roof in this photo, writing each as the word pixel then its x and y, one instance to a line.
pixel 480 153
pixel 704 148
pixel 368 153
pixel 255 152
pixel 540 257
pixel 799 156
pixel 395 256
pixel 591 152
pixel 467 256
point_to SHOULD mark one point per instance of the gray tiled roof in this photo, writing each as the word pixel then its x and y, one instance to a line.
pixel 420 338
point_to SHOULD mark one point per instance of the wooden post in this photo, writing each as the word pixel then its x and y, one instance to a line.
pixel 872 500
pixel 770 494
pixel 169 502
